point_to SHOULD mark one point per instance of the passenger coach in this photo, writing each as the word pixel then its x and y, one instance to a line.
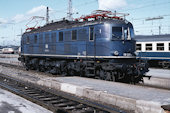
pixel 154 48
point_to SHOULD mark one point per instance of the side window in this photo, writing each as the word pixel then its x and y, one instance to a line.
pixel 148 47
pixel 60 36
pixel 53 36
pixel 67 35
pixel 35 39
pixel 74 35
pixel 138 47
pixel 160 46
pixel 91 33
pixel 41 38
pixel 27 40
pixel 169 46
pixel 47 37
pixel 82 35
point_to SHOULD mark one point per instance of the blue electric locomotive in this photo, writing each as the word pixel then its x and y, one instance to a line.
pixel 101 46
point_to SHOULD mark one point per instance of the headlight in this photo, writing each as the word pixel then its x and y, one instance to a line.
pixel 116 53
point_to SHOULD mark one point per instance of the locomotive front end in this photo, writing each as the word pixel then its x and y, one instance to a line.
pixel 126 68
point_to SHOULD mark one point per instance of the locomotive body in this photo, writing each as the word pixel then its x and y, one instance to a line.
pixel 103 48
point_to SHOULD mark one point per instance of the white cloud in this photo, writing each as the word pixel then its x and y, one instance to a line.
pixel 18 18
pixel 2 20
pixel 11 27
pixel 3 23
pixel 37 10
pixel 111 4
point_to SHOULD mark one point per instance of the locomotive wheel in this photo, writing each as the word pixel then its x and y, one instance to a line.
pixel 26 66
pixel 71 72
pixel 132 79
pixel 64 72
pixel 102 74
pixel 41 68
pixel 97 74
pixel 56 71
pixel 113 78
pixel 53 71
pixel 108 76
pixel 38 69
pixel 82 73
pixel 165 66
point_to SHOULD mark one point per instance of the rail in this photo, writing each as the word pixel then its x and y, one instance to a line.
pixel 56 101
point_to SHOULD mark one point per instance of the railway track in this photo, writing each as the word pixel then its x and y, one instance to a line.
pixel 56 101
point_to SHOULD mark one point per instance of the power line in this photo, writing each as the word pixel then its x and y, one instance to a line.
pixel 86 3
pixel 150 5
pixel 78 5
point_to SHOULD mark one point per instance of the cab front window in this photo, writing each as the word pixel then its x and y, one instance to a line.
pixel 132 35
pixel 122 33
pixel 127 34
pixel 116 33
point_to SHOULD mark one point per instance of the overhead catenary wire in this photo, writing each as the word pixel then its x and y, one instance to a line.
pixel 145 6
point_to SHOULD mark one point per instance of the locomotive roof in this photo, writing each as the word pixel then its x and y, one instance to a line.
pixel 65 24
pixel 151 38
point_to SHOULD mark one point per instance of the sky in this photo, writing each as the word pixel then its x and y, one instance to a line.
pixel 16 14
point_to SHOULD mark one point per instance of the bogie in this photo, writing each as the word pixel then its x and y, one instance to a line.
pixel 104 70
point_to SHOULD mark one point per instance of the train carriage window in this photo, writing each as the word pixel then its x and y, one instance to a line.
pixel 53 36
pixel 82 35
pixel 41 38
pixel 148 47
pixel 91 34
pixel 47 37
pixel 74 35
pixel 60 36
pixel 169 46
pixel 27 40
pixel 67 36
pixel 35 39
pixel 160 46
pixel 139 47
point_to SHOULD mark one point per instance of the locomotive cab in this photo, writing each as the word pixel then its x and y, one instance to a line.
pixel 115 39
pixel 123 37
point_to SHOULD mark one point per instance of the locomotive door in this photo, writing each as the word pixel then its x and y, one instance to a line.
pixel 91 49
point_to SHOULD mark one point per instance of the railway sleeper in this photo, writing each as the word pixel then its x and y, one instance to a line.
pixel 59 101
pixel 52 101
pixel 49 99
pixel 65 104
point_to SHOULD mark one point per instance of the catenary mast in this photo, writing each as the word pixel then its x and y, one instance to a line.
pixel 47 16
pixel 70 10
